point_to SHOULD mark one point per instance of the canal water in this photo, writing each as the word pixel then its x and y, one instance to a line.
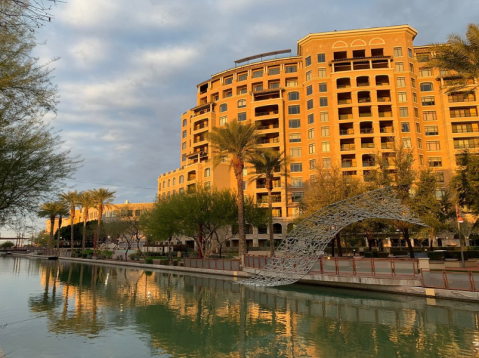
pixel 64 309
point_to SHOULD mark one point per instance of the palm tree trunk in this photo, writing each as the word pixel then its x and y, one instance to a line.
pixel 408 241
pixel 338 240
pixel 50 241
pixel 60 219
pixel 97 236
pixel 85 218
pixel 238 166
pixel 269 184
pixel 72 216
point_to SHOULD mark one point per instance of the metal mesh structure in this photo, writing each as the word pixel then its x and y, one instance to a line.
pixel 302 247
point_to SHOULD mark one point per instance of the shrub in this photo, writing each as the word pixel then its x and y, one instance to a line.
pixel 435 255
pixel 473 254
pixel 455 255
pixel 383 255
pixel 149 260
pixel 400 252
pixel 369 254
pixel 132 256
pixel 7 244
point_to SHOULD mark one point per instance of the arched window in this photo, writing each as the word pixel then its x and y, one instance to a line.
pixel 277 229
pixel 426 87
pixel 174 181
pixel 164 184
pixel 184 122
pixel 164 195
pixel 241 103
pixel 207 172
pixel 293 96
pixel 169 182
pixel 223 107
pixel 182 179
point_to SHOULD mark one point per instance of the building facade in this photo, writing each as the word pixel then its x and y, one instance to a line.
pixel 345 97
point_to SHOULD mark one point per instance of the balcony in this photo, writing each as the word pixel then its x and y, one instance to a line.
pixel 369 163
pixel 387 145
pixel 267 127
pixel 346 147
pixel 269 140
pixel 343 83
pixel 349 131
pixel 348 164
pixel 366 131
pixel 367 145
pixel 386 130
pixel 200 126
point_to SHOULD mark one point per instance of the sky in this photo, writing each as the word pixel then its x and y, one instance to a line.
pixel 126 70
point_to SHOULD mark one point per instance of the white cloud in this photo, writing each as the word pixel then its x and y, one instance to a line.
pixel 89 52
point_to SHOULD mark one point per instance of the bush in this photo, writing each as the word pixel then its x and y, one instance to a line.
pixel 369 254
pixel 435 255
pixel 455 255
pixel 400 252
pixel 7 244
pixel 473 254
pixel 149 260
pixel 382 255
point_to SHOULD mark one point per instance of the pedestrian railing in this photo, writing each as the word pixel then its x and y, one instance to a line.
pixel 457 279
pixel 57 252
pixel 387 267
pixel 215 264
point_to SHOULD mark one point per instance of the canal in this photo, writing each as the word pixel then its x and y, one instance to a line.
pixel 65 309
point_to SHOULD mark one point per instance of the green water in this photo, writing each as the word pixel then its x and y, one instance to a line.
pixel 63 309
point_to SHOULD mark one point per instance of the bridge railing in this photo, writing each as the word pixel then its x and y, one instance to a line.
pixel 387 267
pixel 56 252
pixel 456 279
pixel 214 264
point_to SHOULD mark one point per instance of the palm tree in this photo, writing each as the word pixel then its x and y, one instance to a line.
pixel 62 212
pixel 101 198
pixel 50 210
pixel 237 142
pixel 86 201
pixel 266 163
pixel 71 199
pixel 459 54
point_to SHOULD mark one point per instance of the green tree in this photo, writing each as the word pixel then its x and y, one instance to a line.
pixel 237 142
pixel 7 244
pixel 85 201
pixel 466 181
pixel 62 212
pixel 71 198
pixel 268 163
pixel 50 210
pixel 460 55
pixel 102 198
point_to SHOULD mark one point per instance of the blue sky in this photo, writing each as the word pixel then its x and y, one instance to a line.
pixel 128 69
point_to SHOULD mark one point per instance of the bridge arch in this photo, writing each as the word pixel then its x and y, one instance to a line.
pixel 302 247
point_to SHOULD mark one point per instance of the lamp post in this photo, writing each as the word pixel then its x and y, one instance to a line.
pixel 460 220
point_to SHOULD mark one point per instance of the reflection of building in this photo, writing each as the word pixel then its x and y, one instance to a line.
pixel 111 213
pixel 346 97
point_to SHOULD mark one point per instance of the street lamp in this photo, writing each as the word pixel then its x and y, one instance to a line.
pixel 460 220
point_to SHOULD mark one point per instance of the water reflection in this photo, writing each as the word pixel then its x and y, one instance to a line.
pixel 195 316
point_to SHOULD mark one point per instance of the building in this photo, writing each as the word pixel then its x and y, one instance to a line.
pixel 345 96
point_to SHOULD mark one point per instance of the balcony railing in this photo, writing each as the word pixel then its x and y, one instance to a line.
pixel 369 163
pixel 386 130
pixel 364 100
pixel 366 131
pixel 269 140
pixel 344 101
pixel 271 126
pixel 365 114
pixel 266 113
pixel 387 145
pixel 367 145
pixel 345 116
pixel 385 114
pixel 348 164
pixel 346 131
pixel 346 147
pixel 363 84
pixel 384 99
pixel 200 126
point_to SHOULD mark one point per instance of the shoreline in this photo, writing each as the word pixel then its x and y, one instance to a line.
pixel 398 286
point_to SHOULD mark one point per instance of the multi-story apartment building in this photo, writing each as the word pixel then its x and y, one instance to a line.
pixel 345 97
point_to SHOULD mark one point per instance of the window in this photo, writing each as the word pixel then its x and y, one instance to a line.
pixel 399 66
pixel 323 87
pixel 434 161
pixel 296 167
pixel 421 159
pixel 325 147
pixel 184 134
pixel 310 118
pixel 207 172
pixel 241 116
pixel 322 72
pixel 407 143
pixel 401 81
pixel 241 103
pixel 418 128
pixel 296 182
pixel 428 101
pixel 293 96
pixel 327 163
pixel 245 172
pixel 273 84
pixel 309 104
pixel 432 146
pixel 228 80
pixel 184 122
pixel 409 52
pixel 312 148
pixel 414 97
pixel 466 143
pixel 324 116
pixel 294 123
pixel 257 87
pixel 424 57
pixel 227 93
pixel 431 130
pixel 308 76
pixel 419 143
pixel 242 90
pixel 169 182
pixel 291 82
pixel 183 158
pixel 426 87
pixel 273 71
pixel 416 112
pixel 312 164
pixel 258 74
pixel 311 133
pixel 242 77
pixel 297 197
pixel 321 57
pixel 397 51
pixel 223 107
pixel 291 69
pixel 402 97
pixel 183 145
pixel 425 72
pixel 295 137
pixel 323 101
pixel 295 152
pixel 411 67
pixel 403 112
pixel 405 127
pixel 223 120
pixel 429 116
pixel 307 61
pixel 293 109
pixel 463 112
pixel 309 90
pixel 325 131
pixel 440 177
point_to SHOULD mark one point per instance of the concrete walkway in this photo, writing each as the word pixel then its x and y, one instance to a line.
pixel 397 285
